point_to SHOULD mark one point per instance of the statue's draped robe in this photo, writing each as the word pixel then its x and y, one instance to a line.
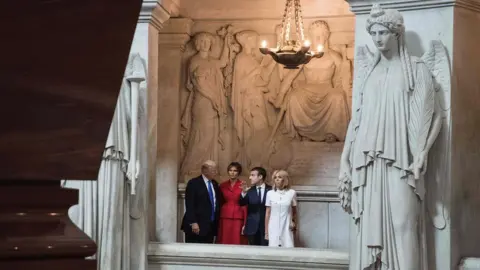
pixel 251 122
pixel 104 208
pixel 382 134
pixel 204 119
pixel 318 107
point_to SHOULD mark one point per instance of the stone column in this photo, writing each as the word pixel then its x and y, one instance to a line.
pixel 453 192
pixel 170 40
pixel 152 16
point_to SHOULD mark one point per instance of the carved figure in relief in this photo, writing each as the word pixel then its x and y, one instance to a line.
pixel 396 119
pixel 248 100
pixel 204 118
pixel 313 97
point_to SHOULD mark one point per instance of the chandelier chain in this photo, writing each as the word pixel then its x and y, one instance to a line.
pixel 299 19
pixel 290 5
pixel 280 41
pixel 293 11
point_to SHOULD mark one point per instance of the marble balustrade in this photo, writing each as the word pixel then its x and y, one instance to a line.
pixel 179 256
pixel 322 222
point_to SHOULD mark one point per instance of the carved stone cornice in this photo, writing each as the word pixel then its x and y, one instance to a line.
pixel 173 41
pixel 153 12
pixel 177 26
pixel 364 6
pixel 175 33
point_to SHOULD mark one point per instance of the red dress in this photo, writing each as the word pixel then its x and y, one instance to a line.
pixel 232 215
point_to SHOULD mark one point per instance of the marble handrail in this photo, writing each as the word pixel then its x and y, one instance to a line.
pixel 247 257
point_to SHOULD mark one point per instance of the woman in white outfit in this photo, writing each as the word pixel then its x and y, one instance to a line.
pixel 281 213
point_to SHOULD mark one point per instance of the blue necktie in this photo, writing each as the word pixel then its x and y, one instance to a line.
pixel 212 200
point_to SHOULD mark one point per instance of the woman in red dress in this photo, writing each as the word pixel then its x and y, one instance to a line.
pixel 232 215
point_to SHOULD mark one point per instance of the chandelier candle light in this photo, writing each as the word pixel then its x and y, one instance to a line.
pixel 292 52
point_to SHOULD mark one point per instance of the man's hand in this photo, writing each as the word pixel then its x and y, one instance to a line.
pixel 244 186
pixel 195 228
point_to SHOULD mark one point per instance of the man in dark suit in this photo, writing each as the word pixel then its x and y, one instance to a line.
pixel 254 197
pixel 203 200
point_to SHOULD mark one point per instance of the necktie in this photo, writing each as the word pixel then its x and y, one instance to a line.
pixel 259 191
pixel 212 200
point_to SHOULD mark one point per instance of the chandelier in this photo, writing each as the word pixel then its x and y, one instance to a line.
pixel 292 52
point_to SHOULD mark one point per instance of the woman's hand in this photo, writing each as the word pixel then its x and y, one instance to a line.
pixel 266 235
pixel 243 229
pixel 293 226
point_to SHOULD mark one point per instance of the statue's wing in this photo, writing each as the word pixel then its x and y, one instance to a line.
pixel 363 64
pixel 438 63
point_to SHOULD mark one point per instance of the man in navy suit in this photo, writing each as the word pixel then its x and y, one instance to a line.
pixel 203 200
pixel 254 197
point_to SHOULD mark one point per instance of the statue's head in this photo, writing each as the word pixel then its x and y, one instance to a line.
pixel 386 27
pixel 319 33
pixel 248 39
pixel 204 41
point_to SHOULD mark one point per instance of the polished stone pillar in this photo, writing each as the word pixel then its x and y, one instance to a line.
pixel 453 199
pixel 170 41
pixel 152 16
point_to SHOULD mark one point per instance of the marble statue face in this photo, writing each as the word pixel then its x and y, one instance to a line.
pixel 383 38
pixel 319 37
pixel 203 44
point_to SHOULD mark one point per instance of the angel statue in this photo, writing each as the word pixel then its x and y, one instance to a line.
pixel 107 211
pixel 396 119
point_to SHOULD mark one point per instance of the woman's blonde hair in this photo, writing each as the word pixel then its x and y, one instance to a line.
pixel 285 177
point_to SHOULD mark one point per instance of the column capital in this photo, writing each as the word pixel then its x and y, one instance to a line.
pixel 364 6
pixel 175 33
pixel 173 41
pixel 153 12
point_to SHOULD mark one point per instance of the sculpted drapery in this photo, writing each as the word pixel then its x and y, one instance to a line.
pixel 204 118
pixel 248 102
pixel 314 96
pixel 107 211
pixel 395 122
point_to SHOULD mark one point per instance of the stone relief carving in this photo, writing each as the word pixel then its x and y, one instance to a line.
pixel 397 116
pixel 314 97
pixel 204 118
pixel 248 102
pixel 272 118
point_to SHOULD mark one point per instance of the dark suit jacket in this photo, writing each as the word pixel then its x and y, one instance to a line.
pixel 255 210
pixel 198 207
